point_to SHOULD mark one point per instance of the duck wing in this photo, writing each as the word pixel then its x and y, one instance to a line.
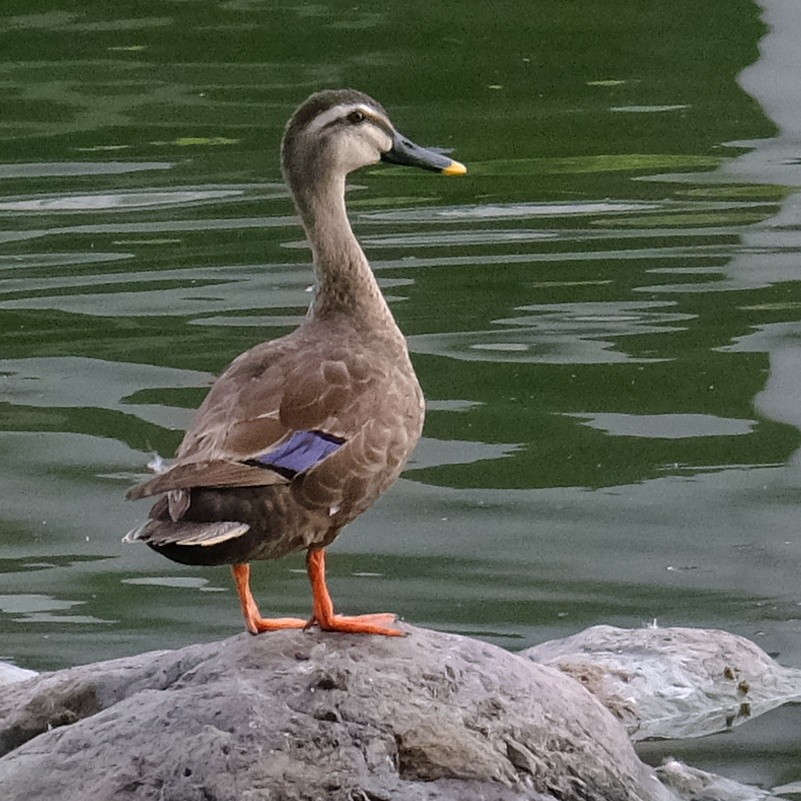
pixel 279 410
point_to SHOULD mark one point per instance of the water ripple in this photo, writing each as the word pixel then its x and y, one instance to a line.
pixel 569 333
pixel 433 214
pixel 58 169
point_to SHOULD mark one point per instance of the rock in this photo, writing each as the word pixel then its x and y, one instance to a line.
pixel 691 783
pixel 673 682
pixel 10 673
pixel 308 715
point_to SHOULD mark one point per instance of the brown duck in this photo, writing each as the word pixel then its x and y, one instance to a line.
pixel 301 434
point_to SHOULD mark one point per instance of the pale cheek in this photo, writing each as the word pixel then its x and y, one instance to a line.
pixel 357 153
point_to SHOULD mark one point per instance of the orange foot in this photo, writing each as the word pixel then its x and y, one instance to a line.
pixel 254 622
pixel 324 615
pixel 359 624
pixel 256 625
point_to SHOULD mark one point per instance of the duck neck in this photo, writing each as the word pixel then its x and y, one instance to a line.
pixel 345 281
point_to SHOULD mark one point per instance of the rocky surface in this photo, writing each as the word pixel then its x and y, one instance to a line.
pixel 697 785
pixel 306 715
pixel 674 682
pixel 309 715
pixel 9 673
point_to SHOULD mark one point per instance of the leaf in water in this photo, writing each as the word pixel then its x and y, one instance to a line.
pixel 125 242
pixel 101 148
pixel 199 141
pixel 509 347
pixel 647 109
pixel 187 141
pixel 606 83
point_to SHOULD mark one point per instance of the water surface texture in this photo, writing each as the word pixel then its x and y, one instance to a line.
pixel 605 314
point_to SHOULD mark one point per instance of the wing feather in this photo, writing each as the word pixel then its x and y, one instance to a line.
pixel 186 475
pixel 268 395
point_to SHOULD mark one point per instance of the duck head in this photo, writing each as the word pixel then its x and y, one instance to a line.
pixel 337 131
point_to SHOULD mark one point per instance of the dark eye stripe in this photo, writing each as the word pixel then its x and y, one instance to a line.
pixel 347 119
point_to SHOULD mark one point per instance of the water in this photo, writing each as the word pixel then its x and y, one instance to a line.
pixel 605 314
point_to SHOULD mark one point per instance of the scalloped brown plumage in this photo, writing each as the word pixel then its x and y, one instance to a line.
pixel 301 434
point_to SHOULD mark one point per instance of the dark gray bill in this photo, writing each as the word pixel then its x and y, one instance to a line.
pixel 407 153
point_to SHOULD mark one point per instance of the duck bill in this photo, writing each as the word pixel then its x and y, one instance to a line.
pixel 408 154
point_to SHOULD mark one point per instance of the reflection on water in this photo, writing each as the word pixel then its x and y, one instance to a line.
pixel 667 426
pixel 174 581
pixel 518 211
pixel 567 333
pixel 604 315
pixel 63 169
pixel 117 201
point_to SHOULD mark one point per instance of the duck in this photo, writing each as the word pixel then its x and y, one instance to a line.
pixel 301 434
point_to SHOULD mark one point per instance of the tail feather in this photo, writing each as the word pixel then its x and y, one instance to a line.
pixel 169 532
pixel 221 473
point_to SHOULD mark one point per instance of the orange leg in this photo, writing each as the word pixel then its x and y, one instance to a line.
pixel 323 614
pixel 254 622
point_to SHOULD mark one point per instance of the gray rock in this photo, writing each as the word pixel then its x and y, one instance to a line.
pixel 673 682
pixel 10 673
pixel 308 715
pixel 697 785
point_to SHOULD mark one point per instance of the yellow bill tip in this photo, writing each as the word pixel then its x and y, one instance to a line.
pixel 454 168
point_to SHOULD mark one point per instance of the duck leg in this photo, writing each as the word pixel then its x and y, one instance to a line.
pixel 254 622
pixel 323 614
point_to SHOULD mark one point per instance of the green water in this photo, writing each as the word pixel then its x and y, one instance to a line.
pixel 605 314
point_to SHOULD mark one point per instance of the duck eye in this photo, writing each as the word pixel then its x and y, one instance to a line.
pixel 355 117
